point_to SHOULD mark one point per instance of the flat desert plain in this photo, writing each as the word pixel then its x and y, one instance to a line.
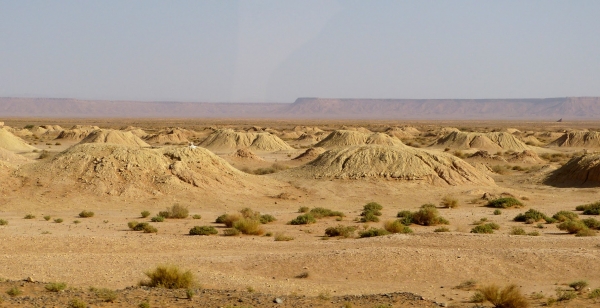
pixel 427 212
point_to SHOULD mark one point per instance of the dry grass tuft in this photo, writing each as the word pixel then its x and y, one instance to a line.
pixel 168 277
pixel 509 297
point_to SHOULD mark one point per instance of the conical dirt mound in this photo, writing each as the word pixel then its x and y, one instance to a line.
pixel 114 137
pixel 529 157
pixel 174 136
pixel 310 154
pixel 133 171
pixel 583 171
pixel 343 138
pixel 229 140
pixel 245 154
pixel 484 141
pixel 403 163
pixel 10 142
pixel 12 158
pixel 77 132
pixel 577 139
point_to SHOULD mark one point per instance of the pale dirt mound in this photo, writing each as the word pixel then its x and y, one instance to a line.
pixel 403 163
pixel 19 132
pixel 577 139
pixel 495 141
pixel 229 140
pixel 132 171
pixel 136 131
pixel 343 138
pixel 174 136
pixel 356 129
pixel 583 171
pixel 10 142
pixel 406 132
pixel 532 140
pixel 245 154
pixel 114 137
pixel 310 154
pixel 7 156
pixel 486 156
pixel 527 156
pixel 77 132
pixel 290 135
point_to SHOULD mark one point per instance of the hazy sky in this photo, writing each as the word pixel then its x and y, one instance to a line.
pixel 276 51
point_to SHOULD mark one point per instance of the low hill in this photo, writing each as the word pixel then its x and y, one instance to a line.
pixel 392 162
pixel 229 140
pixel 315 108
pixel 577 139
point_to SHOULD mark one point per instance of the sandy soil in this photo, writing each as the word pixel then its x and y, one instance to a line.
pixel 102 252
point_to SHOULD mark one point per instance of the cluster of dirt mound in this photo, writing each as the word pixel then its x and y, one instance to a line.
pixel 173 136
pixel 310 154
pixel 577 139
pixel 483 155
pixel 12 143
pixel 343 138
pixel 114 137
pixel 77 132
pixel 229 140
pixel 245 154
pixel 393 162
pixel 134 171
pixel 583 171
pixel 527 156
pixel 406 132
pixel 496 141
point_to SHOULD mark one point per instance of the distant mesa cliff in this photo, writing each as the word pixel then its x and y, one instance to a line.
pixel 569 108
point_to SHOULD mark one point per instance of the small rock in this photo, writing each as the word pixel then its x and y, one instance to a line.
pixel 29 279
pixel 278 301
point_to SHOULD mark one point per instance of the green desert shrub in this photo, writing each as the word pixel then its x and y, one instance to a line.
pixel 231 232
pixel 3 222
pixel 572 226
pixel 266 218
pixel 47 217
pixel 396 226
pixel 405 217
pixel 176 211
pixel 86 214
pixel 497 212
pixel 505 202
pixel 132 224
pixel 248 213
pixel 586 232
pixel 508 297
pixel 139 226
pixel 29 216
pixel 157 219
pixel 369 217
pixel 145 214
pixel 591 223
pixel 565 295
pixel 168 277
pixel 563 216
pixel 197 216
pixel 373 232
pixel 149 229
pixel 428 216
pixel 442 229
pixel 304 219
pixel 281 237
pixel 372 207
pixel 449 202
pixel 595 293
pixel 14 291
pixel 590 209
pixel 578 285
pixel 249 226
pixel 55 286
pixel 340 230
pixel 532 216
pixel 77 303
pixel 319 212
pixel 303 209
pixel 517 231
pixel 203 230
pixel 228 219
pixel 58 220
pixel 485 228
pixel 106 295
